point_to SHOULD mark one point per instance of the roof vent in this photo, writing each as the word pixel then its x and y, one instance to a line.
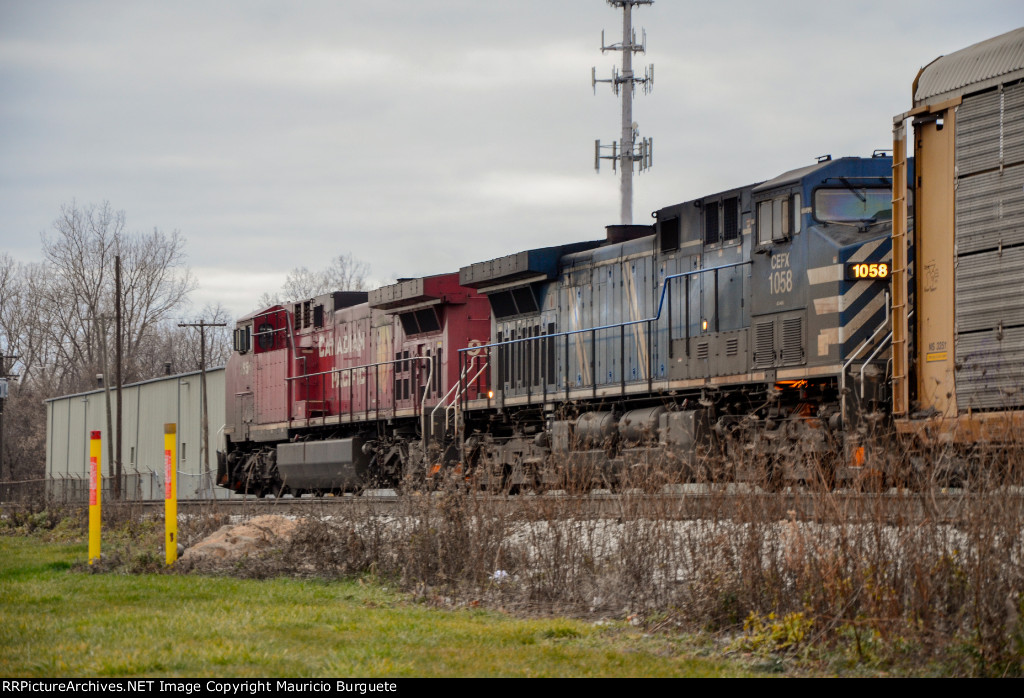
pixel 622 233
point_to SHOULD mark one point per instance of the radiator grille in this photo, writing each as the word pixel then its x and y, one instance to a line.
pixel 764 349
pixel 792 341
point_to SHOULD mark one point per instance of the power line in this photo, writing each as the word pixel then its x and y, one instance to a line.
pixel 204 435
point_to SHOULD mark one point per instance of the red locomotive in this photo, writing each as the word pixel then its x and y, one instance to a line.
pixel 347 388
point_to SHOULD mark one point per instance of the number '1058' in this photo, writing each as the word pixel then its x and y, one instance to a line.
pixel 874 270
pixel 780 281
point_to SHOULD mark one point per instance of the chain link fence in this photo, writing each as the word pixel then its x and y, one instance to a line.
pixel 137 486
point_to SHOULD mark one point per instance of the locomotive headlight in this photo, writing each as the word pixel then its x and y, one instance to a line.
pixel 490 394
pixel 703 325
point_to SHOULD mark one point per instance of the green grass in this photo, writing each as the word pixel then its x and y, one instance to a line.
pixel 58 619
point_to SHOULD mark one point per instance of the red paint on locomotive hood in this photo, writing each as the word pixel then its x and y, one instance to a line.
pixel 255 372
pixel 432 318
pixel 334 356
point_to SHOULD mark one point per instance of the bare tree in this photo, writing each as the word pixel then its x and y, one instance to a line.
pixel 57 315
pixel 156 286
pixel 345 273
pixel 180 347
pixel 37 348
pixel 24 330
pixel 79 259
pixel 11 295
pixel 218 339
pixel 24 354
pixel 24 427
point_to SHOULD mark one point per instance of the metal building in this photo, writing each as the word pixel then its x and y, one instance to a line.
pixel 147 406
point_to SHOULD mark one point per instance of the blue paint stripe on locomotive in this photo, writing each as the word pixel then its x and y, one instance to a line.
pixel 855 338
pixel 865 299
pixel 849 314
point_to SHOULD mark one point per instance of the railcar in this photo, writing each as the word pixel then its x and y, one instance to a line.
pixel 958 281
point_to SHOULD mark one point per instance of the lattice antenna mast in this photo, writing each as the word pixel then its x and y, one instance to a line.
pixel 627 150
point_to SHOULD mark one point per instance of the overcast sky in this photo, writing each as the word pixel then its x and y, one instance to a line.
pixel 422 136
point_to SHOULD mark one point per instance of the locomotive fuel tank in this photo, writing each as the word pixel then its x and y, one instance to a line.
pixel 323 465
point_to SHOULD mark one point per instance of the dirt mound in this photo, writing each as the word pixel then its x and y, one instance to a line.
pixel 233 543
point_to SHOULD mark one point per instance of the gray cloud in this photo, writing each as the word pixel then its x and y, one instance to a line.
pixel 425 136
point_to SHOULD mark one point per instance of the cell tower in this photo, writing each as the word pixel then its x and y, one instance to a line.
pixel 627 150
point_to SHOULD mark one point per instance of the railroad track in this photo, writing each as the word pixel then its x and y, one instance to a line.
pixel 696 502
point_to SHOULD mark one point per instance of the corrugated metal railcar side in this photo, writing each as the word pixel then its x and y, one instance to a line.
pixel 959 302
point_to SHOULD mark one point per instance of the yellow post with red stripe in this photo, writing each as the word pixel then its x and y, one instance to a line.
pixel 171 492
pixel 95 495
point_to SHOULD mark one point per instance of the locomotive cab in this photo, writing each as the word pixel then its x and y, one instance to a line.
pixel 820 300
pixel 812 226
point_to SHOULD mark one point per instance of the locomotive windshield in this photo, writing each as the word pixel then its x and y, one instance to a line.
pixel 853 204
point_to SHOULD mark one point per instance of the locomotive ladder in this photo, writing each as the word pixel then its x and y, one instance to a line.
pixel 900 272
pixel 451 408
pixel 857 353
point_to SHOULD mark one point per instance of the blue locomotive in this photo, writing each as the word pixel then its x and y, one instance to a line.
pixel 750 325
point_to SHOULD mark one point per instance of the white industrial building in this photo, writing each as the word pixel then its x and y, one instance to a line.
pixel 147 406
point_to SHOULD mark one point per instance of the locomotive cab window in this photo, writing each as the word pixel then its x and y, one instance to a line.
pixel 778 219
pixel 427 319
pixel 265 336
pixel 243 339
pixel 852 204
pixel 517 301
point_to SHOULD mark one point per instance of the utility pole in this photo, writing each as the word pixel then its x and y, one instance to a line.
pixel 627 150
pixel 101 322
pixel 205 441
pixel 3 399
pixel 118 331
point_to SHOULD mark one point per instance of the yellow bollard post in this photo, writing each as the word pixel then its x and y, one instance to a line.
pixel 171 492
pixel 95 495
